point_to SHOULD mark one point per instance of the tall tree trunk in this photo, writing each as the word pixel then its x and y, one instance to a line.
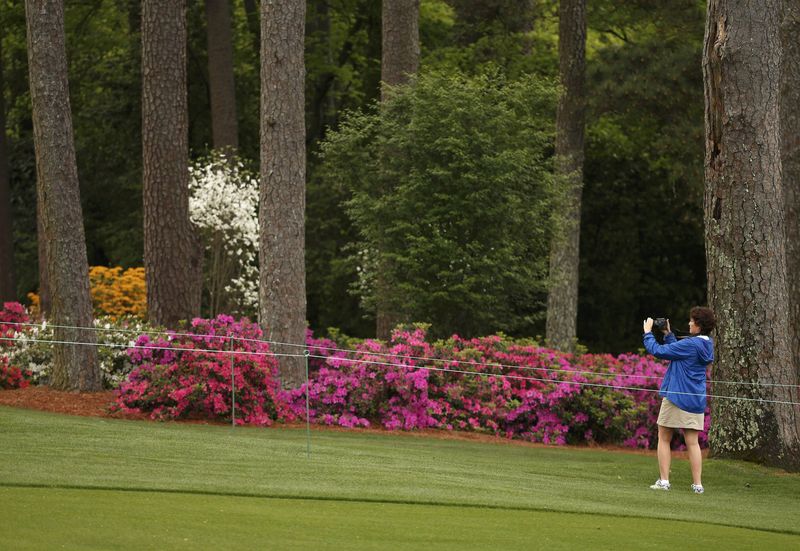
pixel 172 251
pixel 74 367
pixel 562 299
pixel 224 126
pixel 8 288
pixel 400 48
pixel 790 159
pixel 745 242
pixel 399 62
pixel 41 246
pixel 252 13
pixel 282 286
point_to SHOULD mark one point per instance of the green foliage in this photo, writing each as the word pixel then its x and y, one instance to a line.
pixel 642 251
pixel 450 190
pixel 641 244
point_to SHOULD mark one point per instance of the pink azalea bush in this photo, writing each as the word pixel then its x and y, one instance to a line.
pixel 493 385
pixel 190 375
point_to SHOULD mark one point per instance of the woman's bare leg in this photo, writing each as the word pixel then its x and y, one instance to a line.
pixel 695 457
pixel 664 451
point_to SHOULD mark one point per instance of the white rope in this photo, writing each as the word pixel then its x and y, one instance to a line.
pixel 619 387
pixel 406 366
pixel 147 347
pixel 420 358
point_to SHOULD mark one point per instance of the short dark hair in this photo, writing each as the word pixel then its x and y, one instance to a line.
pixel 704 318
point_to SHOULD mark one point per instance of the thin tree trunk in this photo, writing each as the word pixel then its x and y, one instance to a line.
pixel 8 287
pixel 562 300
pixel 790 159
pixel 282 286
pixel 745 240
pixel 74 367
pixel 252 13
pixel 224 126
pixel 172 250
pixel 399 63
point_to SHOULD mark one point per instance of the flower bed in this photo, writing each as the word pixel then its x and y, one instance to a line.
pixel 494 385
pixel 189 375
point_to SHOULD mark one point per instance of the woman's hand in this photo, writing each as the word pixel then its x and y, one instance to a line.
pixel 668 329
pixel 648 325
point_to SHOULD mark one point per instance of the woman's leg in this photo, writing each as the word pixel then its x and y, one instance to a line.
pixel 695 457
pixel 664 451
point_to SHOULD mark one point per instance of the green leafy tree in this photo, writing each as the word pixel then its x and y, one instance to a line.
pixel 460 210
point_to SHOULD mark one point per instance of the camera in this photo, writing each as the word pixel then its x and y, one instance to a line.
pixel 659 326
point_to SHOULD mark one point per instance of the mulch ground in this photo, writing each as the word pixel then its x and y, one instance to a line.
pixel 86 404
pixel 97 404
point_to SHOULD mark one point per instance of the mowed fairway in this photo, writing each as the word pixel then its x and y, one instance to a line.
pixel 109 484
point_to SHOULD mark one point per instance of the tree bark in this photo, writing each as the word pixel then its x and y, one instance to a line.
pixel 41 249
pixel 74 367
pixel 400 43
pixel 282 286
pixel 562 300
pixel 172 250
pixel 399 62
pixel 790 160
pixel 745 240
pixel 8 287
pixel 224 126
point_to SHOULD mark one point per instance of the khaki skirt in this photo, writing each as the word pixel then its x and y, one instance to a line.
pixel 674 417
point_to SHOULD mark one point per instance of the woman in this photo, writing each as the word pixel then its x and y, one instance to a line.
pixel 683 390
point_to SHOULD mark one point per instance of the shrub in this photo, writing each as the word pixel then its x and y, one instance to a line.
pixel 32 352
pixel 12 377
pixel 12 313
pixel 223 206
pixel 117 293
pixel 189 375
pixel 494 385
pixel 449 190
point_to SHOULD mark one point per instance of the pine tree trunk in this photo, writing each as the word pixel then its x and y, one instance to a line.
pixel 224 127
pixel 790 159
pixel 41 249
pixel 399 62
pixel 8 290
pixel 74 367
pixel 282 286
pixel 400 49
pixel 251 12
pixel 745 243
pixel 172 251
pixel 562 300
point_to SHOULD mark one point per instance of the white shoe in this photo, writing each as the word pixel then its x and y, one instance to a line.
pixel 697 488
pixel 660 485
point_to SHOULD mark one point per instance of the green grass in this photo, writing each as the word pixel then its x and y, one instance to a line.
pixel 99 483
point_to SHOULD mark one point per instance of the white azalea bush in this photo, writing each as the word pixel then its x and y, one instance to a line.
pixel 32 348
pixel 223 205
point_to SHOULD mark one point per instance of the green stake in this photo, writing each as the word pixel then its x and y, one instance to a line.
pixel 308 414
pixel 233 387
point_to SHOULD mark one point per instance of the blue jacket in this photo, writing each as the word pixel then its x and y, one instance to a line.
pixel 685 382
